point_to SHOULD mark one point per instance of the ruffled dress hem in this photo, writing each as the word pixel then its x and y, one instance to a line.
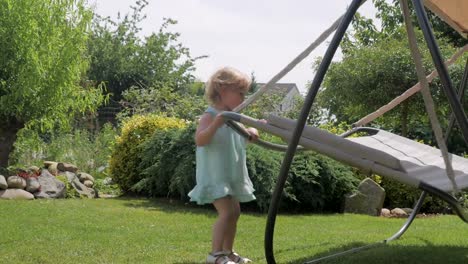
pixel 208 194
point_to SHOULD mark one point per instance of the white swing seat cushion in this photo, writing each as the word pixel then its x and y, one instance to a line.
pixel 419 161
pixel 340 144
pixel 403 156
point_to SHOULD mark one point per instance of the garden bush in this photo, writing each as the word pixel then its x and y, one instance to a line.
pixel 168 164
pixel 104 188
pixel 183 176
pixel 126 155
pixel 153 182
pixel 319 184
pixel 315 183
pixel 263 167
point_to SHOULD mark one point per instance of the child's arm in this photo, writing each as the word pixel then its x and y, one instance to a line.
pixel 207 128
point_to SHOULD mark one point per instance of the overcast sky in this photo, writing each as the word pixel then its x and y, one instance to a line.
pixel 260 36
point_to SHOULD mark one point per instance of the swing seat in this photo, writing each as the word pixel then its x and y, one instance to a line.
pixel 384 152
pixel 418 161
pixel 379 152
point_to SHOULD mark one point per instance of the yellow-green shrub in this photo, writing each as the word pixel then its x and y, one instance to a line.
pixel 126 155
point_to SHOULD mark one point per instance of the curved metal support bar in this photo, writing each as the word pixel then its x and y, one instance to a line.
pixel 286 164
pixel 349 251
pixel 463 213
pixel 394 237
pixel 260 142
pixel 410 219
pixel 456 206
pixel 397 235
pixel 230 117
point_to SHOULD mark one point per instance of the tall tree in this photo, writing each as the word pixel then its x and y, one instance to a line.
pixel 370 77
pixel 43 46
pixel 364 32
pixel 377 67
pixel 122 58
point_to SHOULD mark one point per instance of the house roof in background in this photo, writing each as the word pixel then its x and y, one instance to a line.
pixel 283 88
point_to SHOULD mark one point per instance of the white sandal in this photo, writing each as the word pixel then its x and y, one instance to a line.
pixel 218 258
pixel 237 258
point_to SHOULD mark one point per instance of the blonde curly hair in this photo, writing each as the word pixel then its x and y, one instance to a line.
pixel 225 78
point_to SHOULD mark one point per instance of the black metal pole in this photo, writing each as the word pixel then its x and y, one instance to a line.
pixel 441 68
pixel 461 94
pixel 273 208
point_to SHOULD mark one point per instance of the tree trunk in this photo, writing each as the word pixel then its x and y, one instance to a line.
pixel 8 130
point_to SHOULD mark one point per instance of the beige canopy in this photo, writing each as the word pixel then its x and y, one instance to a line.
pixel 453 12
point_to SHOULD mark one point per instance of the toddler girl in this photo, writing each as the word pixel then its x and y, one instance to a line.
pixel 221 173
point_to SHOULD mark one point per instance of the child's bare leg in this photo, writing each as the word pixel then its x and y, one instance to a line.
pixel 225 223
pixel 230 234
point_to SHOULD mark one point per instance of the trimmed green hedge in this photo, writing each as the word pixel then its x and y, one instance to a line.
pixel 168 164
pixel 315 183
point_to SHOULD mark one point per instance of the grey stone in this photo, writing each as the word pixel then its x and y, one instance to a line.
pixel 35 169
pixel 368 199
pixel 32 185
pixel 62 166
pixel 385 212
pixel 88 183
pixel 407 210
pixel 3 183
pixel 16 182
pixel 51 167
pixel 50 186
pixel 80 187
pixel 398 212
pixel 16 194
pixel 85 177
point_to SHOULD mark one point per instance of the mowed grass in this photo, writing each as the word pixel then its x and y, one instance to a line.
pixel 131 230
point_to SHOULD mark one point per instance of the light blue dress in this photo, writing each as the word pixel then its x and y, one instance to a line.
pixel 221 168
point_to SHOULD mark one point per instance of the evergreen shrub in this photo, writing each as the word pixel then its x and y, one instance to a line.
pixel 263 167
pixel 168 164
pixel 319 184
pixel 126 155
pixel 315 184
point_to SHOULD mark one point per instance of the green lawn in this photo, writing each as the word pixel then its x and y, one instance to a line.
pixel 142 231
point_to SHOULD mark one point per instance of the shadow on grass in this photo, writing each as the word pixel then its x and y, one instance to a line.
pixel 165 205
pixel 176 206
pixel 391 253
